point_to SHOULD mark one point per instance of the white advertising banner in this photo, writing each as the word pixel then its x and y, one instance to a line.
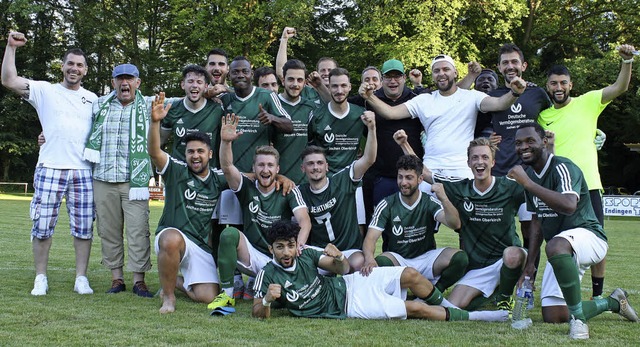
pixel 621 205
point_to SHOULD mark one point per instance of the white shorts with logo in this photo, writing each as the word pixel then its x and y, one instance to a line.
pixel 485 279
pixel 588 250
pixel 423 263
pixel 377 296
pixel 464 172
pixel 197 266
pixel 257 259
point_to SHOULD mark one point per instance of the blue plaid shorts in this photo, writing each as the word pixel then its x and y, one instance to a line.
pixel 51 185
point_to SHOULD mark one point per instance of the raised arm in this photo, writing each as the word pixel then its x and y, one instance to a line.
pixel 401 138
pixel 334 261
pixel 561 203
pixel 158 112
pixel 10 78
pixel 370 148
pixel 385 111
pixel 316 82
pixel 491 103
pixel 474 70
pixel 624 77
pixel 281 57
pixel 228 134
pixel 449 215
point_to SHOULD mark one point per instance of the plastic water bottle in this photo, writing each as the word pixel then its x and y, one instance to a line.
pixel 519 319
pixel 527 287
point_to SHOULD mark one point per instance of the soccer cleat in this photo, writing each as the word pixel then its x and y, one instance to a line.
pixel 626 310
pixel 506 304
pixel 238 288
pixel 40 285
pixel 140 289
pixel 221 300
pixel 578 330
pixel 249 293
pixel 82 285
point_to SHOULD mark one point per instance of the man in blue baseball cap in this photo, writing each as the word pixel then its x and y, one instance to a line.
pixel 121 172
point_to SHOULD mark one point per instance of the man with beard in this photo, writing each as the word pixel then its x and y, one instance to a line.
pixel 317 92
pixel 505 123
pixel 487 206
pixel 336 126
pixel 194 113
pixel 182 237
pixel 217 66
pixel 574 122
pixel 265 77
pixel 290 146
pixel 332 201
pixel 261 207
pixel 293 280
pixel 448 116
pixel 407 222
pixel 557 193
pixel 64 111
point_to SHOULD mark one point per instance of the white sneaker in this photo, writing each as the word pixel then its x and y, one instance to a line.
pixel 82 286
pixel 578 330
pixel 40 285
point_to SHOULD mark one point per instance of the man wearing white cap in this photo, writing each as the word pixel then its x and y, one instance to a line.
pixel 448 116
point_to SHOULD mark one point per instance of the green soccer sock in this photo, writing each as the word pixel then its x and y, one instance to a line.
pixel 455 314
pixel 592 308
pixel 453 272
pixel 566 271
pixel 508 280
pixel 228 256
pixel 383 261
pixel 477 302
pixel 435 298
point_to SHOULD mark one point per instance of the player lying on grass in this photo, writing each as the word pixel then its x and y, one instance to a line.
pixel 295 283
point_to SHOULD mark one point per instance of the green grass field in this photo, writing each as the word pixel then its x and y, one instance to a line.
pixel 65 318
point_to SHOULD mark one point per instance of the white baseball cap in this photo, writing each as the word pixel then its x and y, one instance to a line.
pixel 443 57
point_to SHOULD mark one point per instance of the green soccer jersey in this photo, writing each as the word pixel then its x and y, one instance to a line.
pixel 181 120
pixel 407 230
pixel 190 201
pixel 254 133
pixel 563 176
pixel 305 293
pixel 260 211
pixel 291 145
pixel 338 134
pixel 332 209
pixel 488 218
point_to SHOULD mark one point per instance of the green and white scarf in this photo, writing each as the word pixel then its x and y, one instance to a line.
pixel 139 162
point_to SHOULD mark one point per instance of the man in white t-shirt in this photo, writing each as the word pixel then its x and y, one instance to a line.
pixel 448 116
pixel 64 111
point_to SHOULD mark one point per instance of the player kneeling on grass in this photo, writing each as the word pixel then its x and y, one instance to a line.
pixel 182 238
pixel 408 221
pixel 295 283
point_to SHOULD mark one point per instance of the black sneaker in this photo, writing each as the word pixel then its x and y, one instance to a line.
pixel 117 286
pixel 140 289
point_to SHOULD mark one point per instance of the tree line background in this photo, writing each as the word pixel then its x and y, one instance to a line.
pixel 162 36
